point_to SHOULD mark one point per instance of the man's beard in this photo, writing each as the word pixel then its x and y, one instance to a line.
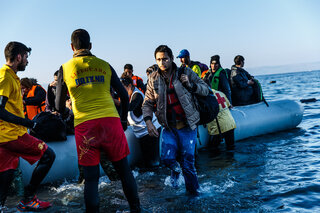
pixel 165 70
pixel 21 66
pixel 186 62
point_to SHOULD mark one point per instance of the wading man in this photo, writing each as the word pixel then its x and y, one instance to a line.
pixel 177 113
pixel 97 123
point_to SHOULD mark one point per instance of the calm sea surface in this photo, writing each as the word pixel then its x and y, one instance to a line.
pixel 278 172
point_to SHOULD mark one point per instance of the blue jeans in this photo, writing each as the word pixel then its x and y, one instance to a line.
pixel 180 144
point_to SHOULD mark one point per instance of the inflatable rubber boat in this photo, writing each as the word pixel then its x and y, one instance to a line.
pixel 65 166
pixel 251 120
pixel 259 119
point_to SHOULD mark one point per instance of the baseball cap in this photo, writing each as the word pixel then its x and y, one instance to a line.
pixel 183 53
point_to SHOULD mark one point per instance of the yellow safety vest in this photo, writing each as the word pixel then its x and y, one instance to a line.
pixel 88 80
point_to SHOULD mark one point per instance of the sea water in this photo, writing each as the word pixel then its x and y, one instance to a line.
pixel 278 172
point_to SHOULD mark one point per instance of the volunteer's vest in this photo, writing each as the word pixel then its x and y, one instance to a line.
pixel 226 121
pixel 139 127
pixel 88 80
pixel 221 100
pixel 33 110
pixel 215 79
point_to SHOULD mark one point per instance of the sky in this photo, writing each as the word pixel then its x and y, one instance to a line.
pixel 266 33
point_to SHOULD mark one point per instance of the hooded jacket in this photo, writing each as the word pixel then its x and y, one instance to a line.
pixel 241 91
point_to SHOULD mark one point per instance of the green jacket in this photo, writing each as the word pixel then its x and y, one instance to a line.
pixel 215 79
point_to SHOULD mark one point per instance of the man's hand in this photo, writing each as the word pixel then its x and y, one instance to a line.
pixel 250 82
pixel 153 132
pixel 53 84
pixel 55 113
pixel 185 80
pixel 36 127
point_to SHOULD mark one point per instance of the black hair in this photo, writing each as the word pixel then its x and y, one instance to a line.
pixel 215 58
pixel 128 66
pixel 56 73
pixel 15 48
pixel 80 39
pixel 238 59
pixel 165 49
pixel 33 81
pixel 26 82
pixel 126 81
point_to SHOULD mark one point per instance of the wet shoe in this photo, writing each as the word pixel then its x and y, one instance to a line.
pixel 174 179
pixel 34 205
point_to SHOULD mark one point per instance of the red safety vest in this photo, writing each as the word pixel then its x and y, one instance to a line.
pixel 135 82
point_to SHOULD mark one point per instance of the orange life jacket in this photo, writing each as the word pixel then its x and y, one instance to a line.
pixel 33 110
pixel 135 82
pixel 204 73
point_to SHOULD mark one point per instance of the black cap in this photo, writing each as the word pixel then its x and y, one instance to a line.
pixel 215 58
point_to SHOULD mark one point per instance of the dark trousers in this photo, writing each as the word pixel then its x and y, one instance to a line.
pixel 150 150
pixel 229 140
pixel 106 166
pixel 91 195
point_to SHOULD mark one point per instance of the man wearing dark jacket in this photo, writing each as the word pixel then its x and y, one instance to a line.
pixel 217 77
pixel 241 84
pixel 51 94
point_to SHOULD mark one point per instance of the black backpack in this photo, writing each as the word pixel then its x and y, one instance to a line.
pixel 51 127
pixel 207 106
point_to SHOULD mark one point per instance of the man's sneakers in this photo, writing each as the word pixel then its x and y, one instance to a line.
pixel 33 205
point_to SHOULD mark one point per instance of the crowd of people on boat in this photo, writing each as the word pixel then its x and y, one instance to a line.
pixel 97 106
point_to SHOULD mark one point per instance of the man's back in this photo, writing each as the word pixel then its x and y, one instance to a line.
pixel 242 92
pixel 88 80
